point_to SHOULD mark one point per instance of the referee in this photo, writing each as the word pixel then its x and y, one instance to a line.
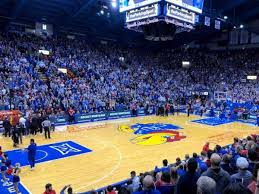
pixel 46 124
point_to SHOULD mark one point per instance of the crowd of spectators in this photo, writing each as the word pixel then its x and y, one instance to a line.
pixel 233 169
pixel 107 77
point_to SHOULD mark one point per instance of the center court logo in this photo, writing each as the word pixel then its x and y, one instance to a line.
pixel 153 133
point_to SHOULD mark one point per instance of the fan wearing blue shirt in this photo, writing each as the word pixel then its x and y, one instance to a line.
pixel 165 167
pixel 148 186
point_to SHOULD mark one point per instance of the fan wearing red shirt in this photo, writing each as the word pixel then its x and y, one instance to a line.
pixel 206 147
pixel 110 190
pixel 49 189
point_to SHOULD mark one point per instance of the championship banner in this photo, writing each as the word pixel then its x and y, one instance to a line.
pixel 217 24
pixel 197 18
pixel 207 21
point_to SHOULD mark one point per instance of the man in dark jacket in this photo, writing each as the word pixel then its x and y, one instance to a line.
pixel 34 125
pixel 7 127
pixel 220 176
pixel 187 182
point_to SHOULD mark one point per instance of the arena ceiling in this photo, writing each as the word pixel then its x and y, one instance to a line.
pixel 86 17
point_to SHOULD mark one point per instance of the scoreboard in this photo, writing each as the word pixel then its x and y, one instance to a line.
pixel 181 13
pixel 143 13
pixel 192 5
pixel 126 5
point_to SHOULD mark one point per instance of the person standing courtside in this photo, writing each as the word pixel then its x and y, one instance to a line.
pixel 188 109
pixel 40 119
pixel 20 130
pixel 15 136
pixel 34 125
pixel 46 124
pixel 7 127
pixel 22 123
pixel 32 148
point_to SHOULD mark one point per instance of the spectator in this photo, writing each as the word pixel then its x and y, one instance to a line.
pixel 68 188
pixel 123 190
pixel 220 176
pixel 187 182
pixel 206 185
pixel 206 147
pixel 254 184
pixel 225 164
pixel 134 186
pixel 236 188
pixel 166 187
pixel 165 167
pixel 148 186
pixel 110 190
pixel 49 189
pixel 174 176
pixel 243 175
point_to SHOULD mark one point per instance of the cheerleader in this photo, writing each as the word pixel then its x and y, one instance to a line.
pixel 3 169
pixel 16 177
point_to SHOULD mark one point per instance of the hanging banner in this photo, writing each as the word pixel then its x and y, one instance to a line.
pixel 207 21
pixel 217 24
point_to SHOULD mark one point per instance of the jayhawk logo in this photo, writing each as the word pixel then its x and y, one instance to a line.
pixel 153 133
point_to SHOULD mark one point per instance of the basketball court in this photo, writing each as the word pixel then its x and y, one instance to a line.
pixel 92 155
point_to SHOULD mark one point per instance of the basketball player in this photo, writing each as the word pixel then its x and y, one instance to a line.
pixel 16 177
pixel 32 148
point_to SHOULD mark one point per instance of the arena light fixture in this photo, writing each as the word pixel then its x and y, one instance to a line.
pixel 241 26
pixel 63 70
pixel 251 77
pixel 44 52
pixel 225 17
pixel 114 3
pixel 185 64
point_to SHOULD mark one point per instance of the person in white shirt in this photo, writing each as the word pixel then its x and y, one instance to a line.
pixel 134 186
pixel 22 125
